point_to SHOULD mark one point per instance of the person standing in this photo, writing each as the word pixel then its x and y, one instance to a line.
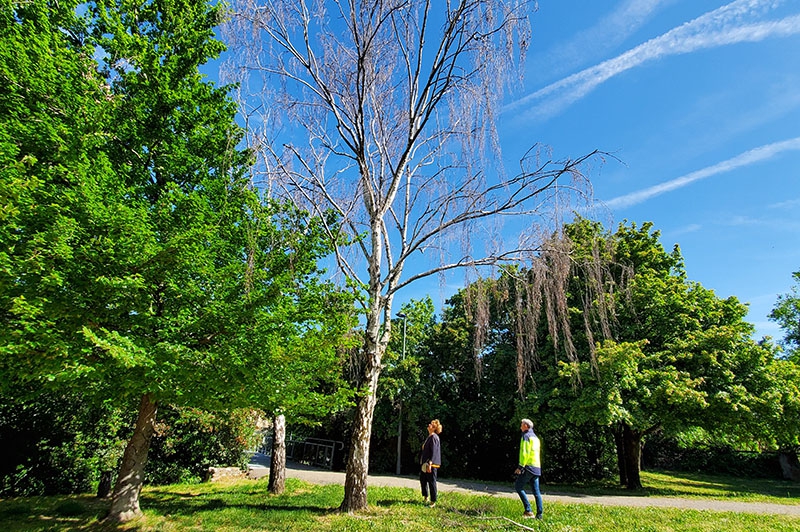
pixel 529 469
pixel 430 461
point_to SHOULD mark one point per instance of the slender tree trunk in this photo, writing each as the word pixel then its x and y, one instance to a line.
pixel 399 438
pixel 790 466
pixel 633 457
pixel 619 440
pixel 104 486
pixel 277 465
pixel 125 499
pixel 355 484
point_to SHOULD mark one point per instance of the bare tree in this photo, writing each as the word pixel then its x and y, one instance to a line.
pixel 383 113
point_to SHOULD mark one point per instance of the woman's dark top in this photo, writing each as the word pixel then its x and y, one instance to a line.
pixel 431 451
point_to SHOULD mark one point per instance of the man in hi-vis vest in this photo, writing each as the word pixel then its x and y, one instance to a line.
pixel 529 469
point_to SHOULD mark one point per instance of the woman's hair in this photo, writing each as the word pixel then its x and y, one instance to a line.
pixel 437 427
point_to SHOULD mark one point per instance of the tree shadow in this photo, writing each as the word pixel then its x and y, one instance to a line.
pixel 183 504
pixel 385 503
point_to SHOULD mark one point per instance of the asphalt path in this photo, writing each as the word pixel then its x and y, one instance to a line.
pixel 259 467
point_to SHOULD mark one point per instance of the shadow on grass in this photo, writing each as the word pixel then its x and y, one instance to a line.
pixel 76 512
pixel 487 487
pixel 180 504
pixel 87 513
pixel 386 503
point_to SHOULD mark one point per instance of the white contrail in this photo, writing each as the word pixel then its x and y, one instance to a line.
pixel 720 27
pixel 606 34
pixel 749 157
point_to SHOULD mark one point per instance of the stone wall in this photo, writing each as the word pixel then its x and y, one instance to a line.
pixel 215 474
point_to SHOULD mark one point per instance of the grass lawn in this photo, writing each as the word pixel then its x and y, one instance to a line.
pixel 693 486
pixel 246 506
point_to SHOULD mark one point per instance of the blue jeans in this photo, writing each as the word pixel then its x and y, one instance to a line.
pixel 525 478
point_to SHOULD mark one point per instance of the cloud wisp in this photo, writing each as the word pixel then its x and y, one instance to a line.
pixel 762 153
pixel 732 23
pixel 593 42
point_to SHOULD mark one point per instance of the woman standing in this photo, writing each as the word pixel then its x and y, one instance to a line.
pixel 430 460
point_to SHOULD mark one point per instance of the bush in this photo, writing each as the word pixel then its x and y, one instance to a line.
pixel 188 441
pixel 666 453
pixel 577 454
pixel 56 443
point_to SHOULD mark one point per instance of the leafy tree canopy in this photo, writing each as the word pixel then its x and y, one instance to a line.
pixel 787 314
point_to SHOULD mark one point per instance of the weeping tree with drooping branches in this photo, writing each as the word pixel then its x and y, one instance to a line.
pixel 385 112
pixel 647 350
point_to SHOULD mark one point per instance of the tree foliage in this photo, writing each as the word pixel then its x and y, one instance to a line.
pixel 649 351
pixel 787 313
pixel 56 442
pixel 678 356
pixel 138 261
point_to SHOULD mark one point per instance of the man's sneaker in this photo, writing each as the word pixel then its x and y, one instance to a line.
pixel 528 515
pixel 538 516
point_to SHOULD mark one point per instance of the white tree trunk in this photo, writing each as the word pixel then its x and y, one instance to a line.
pixel 277 465
pixel 125 499
pixel 355 484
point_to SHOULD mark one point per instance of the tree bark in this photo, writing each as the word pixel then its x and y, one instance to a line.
pixel 277 465
pixel 790 466
pixel 633 457
pixel 125 499
pixel 619 440
pixel 355 484
pixel 104 486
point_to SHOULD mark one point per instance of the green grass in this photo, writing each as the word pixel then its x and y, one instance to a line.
pixel 693 486
pixel 246 506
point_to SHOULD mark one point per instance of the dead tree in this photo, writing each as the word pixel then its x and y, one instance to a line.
pixel 379 117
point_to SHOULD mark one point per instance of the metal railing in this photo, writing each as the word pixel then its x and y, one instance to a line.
pixel 311 451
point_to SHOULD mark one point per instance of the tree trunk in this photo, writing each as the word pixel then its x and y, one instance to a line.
pixel 399 439
pixel 125 499
pixel 355 484
pixel 104 486
pixel 633 457
pixel 619 440
pixel 277 465
pixel 790 466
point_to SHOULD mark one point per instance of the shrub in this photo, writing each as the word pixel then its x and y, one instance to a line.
pixel 188 441
pixel 56 443
pixel 668 453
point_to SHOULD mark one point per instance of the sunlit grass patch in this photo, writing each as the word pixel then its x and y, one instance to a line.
pixel 247 506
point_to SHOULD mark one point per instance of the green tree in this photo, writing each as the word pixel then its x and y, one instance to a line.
pixel 678 356
pixel 787 313
pixel 780 417
pixel 53 113
pixel 137 261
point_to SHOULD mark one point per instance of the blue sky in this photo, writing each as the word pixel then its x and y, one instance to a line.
pixel 700 102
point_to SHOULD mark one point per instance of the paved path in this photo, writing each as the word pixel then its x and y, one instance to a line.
pixel 259 467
